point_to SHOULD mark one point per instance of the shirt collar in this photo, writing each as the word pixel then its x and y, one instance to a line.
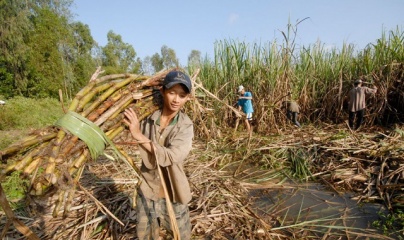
pixel 173 122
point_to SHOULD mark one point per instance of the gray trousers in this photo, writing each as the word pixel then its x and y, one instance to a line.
pixel 153 215
pixel 292 116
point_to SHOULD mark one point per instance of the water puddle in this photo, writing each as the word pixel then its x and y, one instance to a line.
pixel 313 208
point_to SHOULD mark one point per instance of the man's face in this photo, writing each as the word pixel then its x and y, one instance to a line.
pixel 175 98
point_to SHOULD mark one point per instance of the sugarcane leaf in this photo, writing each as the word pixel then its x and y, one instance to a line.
pixel 86 130
pixel 90 133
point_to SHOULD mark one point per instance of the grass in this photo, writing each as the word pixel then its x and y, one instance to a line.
pixel 17 118
pixel 21 115
pixel 391 223
pixel 15 187
pixel 26 113
pixel 10 136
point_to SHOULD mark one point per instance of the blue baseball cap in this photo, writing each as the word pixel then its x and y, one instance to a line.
pixel 175 77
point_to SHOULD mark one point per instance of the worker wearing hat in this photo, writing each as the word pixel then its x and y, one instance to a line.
pixel 245 103
pixel 357 103
pixel 165 140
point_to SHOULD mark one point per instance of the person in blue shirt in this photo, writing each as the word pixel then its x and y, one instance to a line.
pixel 245 103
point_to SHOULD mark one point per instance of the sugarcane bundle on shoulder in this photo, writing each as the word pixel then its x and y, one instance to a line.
pixel 54 157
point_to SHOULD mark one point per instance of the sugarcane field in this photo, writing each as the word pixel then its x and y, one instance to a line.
pixel 288 141
pixel 76 192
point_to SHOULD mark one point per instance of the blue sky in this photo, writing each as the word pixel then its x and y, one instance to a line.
pixel 196 25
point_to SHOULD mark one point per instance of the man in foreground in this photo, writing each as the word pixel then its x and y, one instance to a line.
pixel 165 140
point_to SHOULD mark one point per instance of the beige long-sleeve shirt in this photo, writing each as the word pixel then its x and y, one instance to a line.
pixel 172 148
pixel 357 98
pixel 294 107
pixel 291 106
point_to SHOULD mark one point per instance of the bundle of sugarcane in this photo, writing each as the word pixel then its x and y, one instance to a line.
pixel 53 158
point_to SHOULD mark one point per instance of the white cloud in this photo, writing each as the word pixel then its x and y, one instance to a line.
pixel 233 18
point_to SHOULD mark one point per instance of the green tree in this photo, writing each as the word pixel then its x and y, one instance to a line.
pixel 147 67
pixel 157 62
pixel 137 66
pixel 40 53
pixel 48 54
pixel 14 27
pixel 117 56
pixel 169 57
pixel 81 56
pixel 194 59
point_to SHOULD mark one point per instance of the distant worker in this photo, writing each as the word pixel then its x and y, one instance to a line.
pixel 357 103
pixel 292 111
pixel 245 103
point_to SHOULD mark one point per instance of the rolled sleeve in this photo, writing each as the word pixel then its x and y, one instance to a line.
pixel 148 158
